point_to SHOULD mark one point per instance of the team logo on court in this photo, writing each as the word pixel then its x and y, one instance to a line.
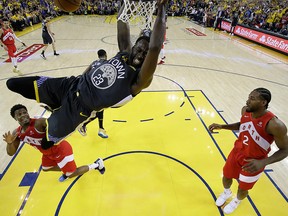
pixel 104 76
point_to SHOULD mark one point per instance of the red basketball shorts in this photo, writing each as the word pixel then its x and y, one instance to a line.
pixel 62 157
pixel 11 50
pixel 233 169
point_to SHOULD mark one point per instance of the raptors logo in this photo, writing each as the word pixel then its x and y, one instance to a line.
pixel 104 76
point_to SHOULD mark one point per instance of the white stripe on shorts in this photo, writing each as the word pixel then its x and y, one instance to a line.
pixel 66 160
pixel 46 168
pixel 249 179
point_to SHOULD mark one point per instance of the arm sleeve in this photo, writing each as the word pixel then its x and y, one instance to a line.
pixel 16 38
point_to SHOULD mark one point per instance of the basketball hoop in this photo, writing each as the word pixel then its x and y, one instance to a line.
pixel 142 10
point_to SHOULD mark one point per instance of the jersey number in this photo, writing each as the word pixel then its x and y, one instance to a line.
pixel 99 79
pixel 245 141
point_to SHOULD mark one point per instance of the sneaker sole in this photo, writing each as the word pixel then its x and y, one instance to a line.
pixel 102 171
pixel 102 136
pixel 83 134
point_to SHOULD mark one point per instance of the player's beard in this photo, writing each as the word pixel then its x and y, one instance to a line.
pixel 250 109
pixel 135 62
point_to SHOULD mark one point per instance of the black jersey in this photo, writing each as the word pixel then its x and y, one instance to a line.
pixel 108 83
pixel 44 27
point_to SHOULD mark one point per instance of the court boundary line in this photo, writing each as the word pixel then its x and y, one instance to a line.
pixel 192 105
pixel 58 209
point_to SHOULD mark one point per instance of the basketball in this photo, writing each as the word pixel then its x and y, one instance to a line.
pixel 68 5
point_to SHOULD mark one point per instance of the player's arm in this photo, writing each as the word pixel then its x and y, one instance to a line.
pixel 12 141
pixel 16 38
pixel 1 32
pixel 150 63
pixel 233 126
pixel 215 126
pixel 49 30
pixel 40 124
pixel 123 34
pixel 2 44
pixel 278 129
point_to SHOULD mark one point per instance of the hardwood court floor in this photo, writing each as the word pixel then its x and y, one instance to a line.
pixel 159 156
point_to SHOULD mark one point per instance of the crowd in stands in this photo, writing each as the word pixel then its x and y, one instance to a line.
pixel 100 7
pixel 27 13
pixel 270 15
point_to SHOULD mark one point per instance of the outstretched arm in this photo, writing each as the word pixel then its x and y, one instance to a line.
pixel 16 38
pixel 12 142
pixel 123 34
pixel 157 38
pixel 234 126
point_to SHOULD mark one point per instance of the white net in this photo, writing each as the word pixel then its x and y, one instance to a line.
pixel 141 11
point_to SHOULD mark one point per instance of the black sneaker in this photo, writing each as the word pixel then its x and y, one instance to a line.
pixel 101 166
pixel 56 54
pixel 43 56
pixel 82 130
pixel 63 178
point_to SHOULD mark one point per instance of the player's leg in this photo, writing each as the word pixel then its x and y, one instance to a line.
pixel 12 51
pixel 231 170
pixel 48 164
pixel 43 51
pixel 54 49
pixel 45 38
pixel 68 166
pixel 246 183
pixel 102 133
pixel 23 86
pixel 66 119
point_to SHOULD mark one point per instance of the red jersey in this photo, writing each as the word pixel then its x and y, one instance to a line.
pixel 7 37
pixel 34 137
pixel 254 141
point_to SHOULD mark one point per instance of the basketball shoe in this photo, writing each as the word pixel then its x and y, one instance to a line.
pixel 82 130
pixel 16 70
pixel 230 207
pixel 102 133
pixel 223 197
pixel 100 166
pixel 161 62
pixel 43 56
pixel 63 178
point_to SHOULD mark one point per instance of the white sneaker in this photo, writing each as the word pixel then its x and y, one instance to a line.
pixel 82 130
pixel 229 208
pixel 222 198
pixel 102 133
pixel 16 70
pixel 101 166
